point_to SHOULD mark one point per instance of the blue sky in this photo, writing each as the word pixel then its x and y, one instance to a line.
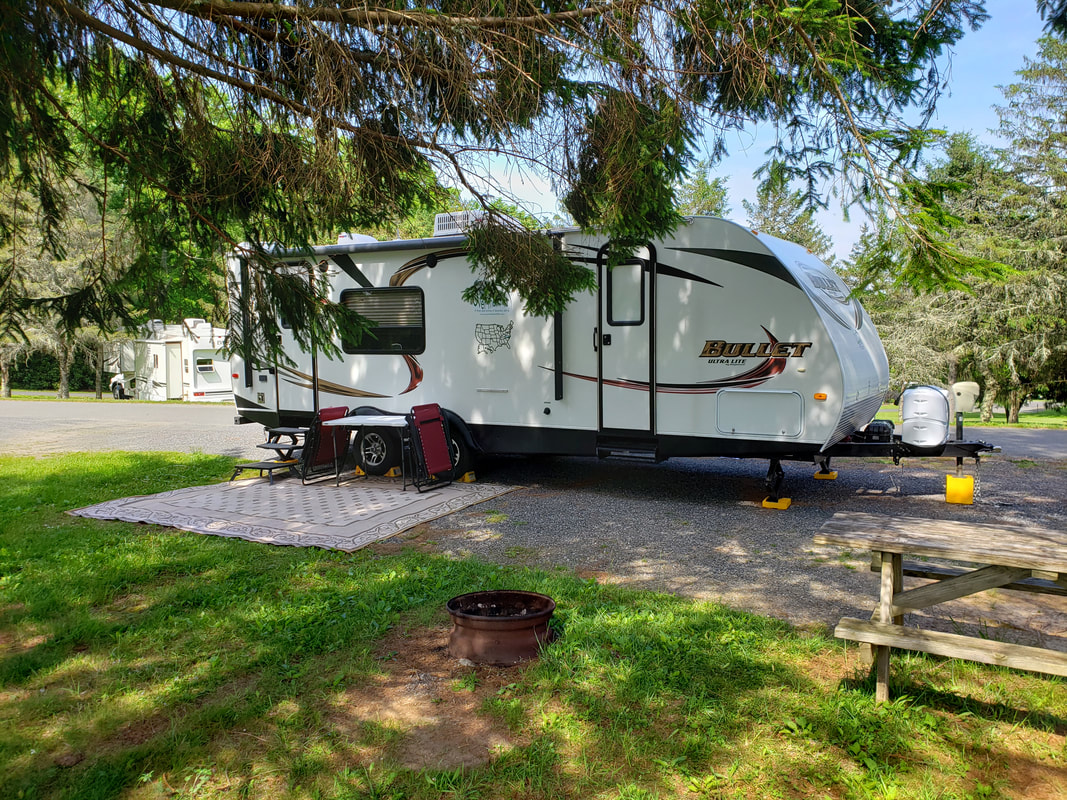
pixel 983 60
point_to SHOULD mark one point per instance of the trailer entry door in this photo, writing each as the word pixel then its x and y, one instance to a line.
pixel 623 340
pixel 174 370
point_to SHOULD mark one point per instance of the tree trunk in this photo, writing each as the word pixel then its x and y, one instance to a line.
pixel 5 378
pixel 989 394
pixel 63 358
pixel 1015 402
pixel 98 377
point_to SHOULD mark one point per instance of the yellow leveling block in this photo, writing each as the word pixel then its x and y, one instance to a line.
pixel 959 489
pixel 781 505
pixel 394 472
pixel 826 476
pixel 466 477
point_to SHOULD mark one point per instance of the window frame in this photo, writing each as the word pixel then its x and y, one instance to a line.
pixel 372 343
pixel 641 264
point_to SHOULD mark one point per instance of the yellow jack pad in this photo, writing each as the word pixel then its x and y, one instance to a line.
pixel 466 477
pixel 959 489
pixel 826 476
pixel 781 505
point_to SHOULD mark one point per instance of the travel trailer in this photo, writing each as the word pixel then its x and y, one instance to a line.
pixel 185 361
pixel 714 341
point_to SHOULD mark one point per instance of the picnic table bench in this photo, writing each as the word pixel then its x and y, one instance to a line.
pixel 1028 559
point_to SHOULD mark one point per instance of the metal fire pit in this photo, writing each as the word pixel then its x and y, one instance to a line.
pixel 500 627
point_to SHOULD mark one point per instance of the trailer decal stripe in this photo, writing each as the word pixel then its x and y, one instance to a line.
pixel 661 269
pixel 345 262
pixel 416 373
pixel 749 379
pixel 706 387
pixel 406 270
pixel 758 261
pixel 675 272
pixel 304 381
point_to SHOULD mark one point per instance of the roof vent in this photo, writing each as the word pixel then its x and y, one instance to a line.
pixel 453 222
pixel 355 238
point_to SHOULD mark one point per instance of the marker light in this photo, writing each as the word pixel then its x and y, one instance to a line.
pixel 820 395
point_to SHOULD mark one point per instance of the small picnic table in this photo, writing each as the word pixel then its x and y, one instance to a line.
pixel 987 556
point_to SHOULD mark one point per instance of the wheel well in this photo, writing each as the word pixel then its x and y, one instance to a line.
pixel 459 427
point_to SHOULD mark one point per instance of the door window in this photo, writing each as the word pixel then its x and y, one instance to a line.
pixel 626 293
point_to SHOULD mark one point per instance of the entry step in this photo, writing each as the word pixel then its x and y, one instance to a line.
pixel 632 450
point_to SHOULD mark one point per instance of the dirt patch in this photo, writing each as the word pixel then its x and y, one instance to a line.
pixel 830 668
pixel 1036 781
pixel 1022 777
pixel 434 700
pixel 419 538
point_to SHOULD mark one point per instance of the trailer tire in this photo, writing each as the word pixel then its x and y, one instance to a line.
pixel 117 393
pixel 462 456
pixel 378 451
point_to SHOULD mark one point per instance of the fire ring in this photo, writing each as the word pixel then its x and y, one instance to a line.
pixel 501 627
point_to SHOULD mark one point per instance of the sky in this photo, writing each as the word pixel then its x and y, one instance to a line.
pixel 982 61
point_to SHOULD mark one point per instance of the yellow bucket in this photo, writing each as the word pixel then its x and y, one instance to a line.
pixel 959 489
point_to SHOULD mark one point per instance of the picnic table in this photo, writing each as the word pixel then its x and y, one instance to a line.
pixel 986 556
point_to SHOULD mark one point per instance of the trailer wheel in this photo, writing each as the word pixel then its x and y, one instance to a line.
pixel 117 392
pixel 462 457
pixel 379 451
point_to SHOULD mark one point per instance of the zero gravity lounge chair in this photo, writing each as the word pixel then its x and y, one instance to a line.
pixel 429 455
pixel 325 446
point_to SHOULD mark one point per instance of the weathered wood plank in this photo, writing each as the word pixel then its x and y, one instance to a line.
pixel 953 645
pixel 891 582
pixel 938 572
pixel 954 588
pixel 1004 545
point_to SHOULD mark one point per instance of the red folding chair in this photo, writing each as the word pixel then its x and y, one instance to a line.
pixel 428 455
pixel 325 446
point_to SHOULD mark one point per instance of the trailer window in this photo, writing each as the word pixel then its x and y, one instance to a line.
pixel 398 317
pixel 626 293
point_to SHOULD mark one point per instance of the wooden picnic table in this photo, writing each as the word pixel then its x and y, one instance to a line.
pixel 1029 559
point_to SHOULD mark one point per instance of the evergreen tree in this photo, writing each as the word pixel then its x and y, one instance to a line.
pixel 787 215
pixel 271 122
pixel 703 195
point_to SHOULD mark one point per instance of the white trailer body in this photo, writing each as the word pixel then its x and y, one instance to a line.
pixel 714 341
pixel 183 361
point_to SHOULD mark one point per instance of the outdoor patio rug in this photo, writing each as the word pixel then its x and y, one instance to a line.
pixel 345 517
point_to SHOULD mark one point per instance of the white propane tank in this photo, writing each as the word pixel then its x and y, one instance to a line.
pixel 925 415
pixel 966 395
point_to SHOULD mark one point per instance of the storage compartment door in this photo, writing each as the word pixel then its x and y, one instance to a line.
pixel 760 414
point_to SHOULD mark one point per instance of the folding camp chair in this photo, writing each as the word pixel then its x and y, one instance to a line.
pixel 428 455
pixel 325 446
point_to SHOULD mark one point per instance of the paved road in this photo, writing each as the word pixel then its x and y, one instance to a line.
pixel 54 426
pixel 1020 443
pixel 50 426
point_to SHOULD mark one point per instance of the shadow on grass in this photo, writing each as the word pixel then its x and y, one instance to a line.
pixel 134 653
pixel 955 702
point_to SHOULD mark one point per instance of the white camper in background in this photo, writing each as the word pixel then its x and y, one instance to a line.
pixel 714 341
pixel 184 361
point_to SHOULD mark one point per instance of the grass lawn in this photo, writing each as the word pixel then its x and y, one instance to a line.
pixel 143 662
pixel 1054 418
